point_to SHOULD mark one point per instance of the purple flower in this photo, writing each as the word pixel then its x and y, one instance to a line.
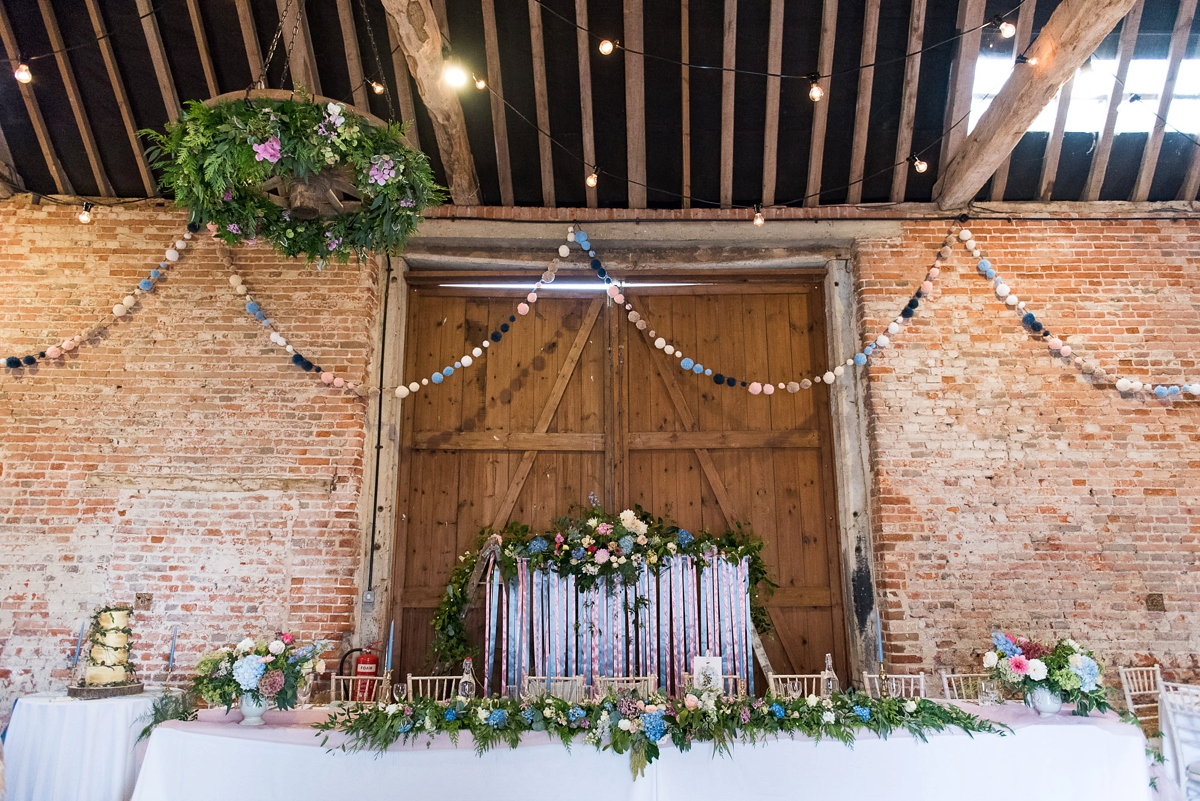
pixel 408 203
pixel 745 715
pixel 228 195
pixel 233 228
pixel 268 150
pixel 382 170
pixel 287 214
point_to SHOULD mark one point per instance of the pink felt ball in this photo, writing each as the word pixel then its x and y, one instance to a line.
pixel 68 344
pixel 768 389
pixel 612 290
pixel 755 388
pixel 1065 350
pixel 619 298
pixel 522 308
pixel 327 378
pixel 934 272
pixel 531 297
pixel 339 383
pixel 53 352
pixel 937 263
pixel 1055 344
pixel 927 287
pixel 349 385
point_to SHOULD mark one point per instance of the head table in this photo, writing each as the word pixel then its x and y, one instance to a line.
pixel 1060 757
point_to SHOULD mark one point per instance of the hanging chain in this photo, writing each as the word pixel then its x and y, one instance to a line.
pixel 261 81
pixel 378 63
pixel 287 61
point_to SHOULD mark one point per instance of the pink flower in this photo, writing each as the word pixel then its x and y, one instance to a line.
pixel 287 638
pixel 558 538
pixel 601 556
pixel 268 150
pixel 691 701
pixel 604 529
pixel 1019 665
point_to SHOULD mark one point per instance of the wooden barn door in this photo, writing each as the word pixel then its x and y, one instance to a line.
pixel 574 402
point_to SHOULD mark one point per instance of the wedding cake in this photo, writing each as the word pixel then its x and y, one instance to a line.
pixel 108 656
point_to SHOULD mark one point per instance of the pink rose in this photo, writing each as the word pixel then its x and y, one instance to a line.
pixel 691 701
pixel 604 529
pixel 287 638
pixel 1019 665
pixel 601 556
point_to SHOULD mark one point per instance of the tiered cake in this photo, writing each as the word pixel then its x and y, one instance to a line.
pixel 108 669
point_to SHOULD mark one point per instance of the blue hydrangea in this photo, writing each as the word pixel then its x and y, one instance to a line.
pixel 300 655
pixel 537 545
pixel 247 671
pixel 576 714
pixel 1088 673
pixel 1004 645
pixel 863 713
pixel 497 718
pixel 578 553
pixel 777 710
pixel 684 537
pixel 626 543
pixel 451 714
pixel 405 726
pixel 653 725
pixel 526 713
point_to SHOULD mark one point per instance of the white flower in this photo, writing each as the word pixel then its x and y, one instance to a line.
pixel 628 518
pixel 910 706
pixel 245 645
pixel 623 724
pixel 828 717
pixel 990 659
pixel 640 528
pixel 593 521
pixel 621 560
pixel 652 558
pixel 1075 660
pixel 483 714
pixel 586 541
pixel 812 700
pixel 392 709
pixel 320 665
pixel 276 647
pixel 794 714
pixel 671 547
pixel 548 712
pixel 1074 645
pixel 1037 669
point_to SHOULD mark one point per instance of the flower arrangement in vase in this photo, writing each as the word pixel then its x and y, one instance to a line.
pixel 1048 674
pixel 257 672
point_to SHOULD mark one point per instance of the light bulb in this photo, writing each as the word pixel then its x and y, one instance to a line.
pixel 23 74
pixel 480 84
pixel 377 87
pixel 85 216
pixel 592 179
pixel 919 165
pixel 1032 61
pixel 1007 29
pixel 454 75
pixel 815 92
pixel 759 219
pixel 606 47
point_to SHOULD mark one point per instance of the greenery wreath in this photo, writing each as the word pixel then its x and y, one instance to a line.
pixel 276 166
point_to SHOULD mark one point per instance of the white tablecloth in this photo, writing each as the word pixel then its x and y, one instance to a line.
pixel 64 749
pixel 1060 758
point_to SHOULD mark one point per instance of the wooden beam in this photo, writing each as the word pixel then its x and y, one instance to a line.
pixel 585 99
pixel 61 182
pixel 962 77
pixel 1054 143
pixel 816 145
pixel 1020 43
pixel 408 112
pixel 1072 34
pixel 75 98
pixel 10 179
pixel 118 87
pixel 358 82
pixel 1191 179
pixel 537 45
pixel 862 107
pixel 771 126
pixel 1179 43
pixel 908 100
pixel 250 38
pixel 491 44
pixel 685 77
pixel 158 57
pixel 728 63
pixel 297 43
pixel 210 75
pixel 1125 47
pixel 505 441
pixel 417 30
pixel 635 106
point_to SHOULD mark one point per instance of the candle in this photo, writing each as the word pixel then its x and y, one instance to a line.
pixel 391 633
pixel 879 636
pixel 171 658
pixel 79 644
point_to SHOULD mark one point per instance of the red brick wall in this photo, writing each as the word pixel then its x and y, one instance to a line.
pixel 187 385
pixel 1011 491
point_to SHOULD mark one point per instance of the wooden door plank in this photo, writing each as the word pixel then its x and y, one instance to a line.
pixel 1125 46
pixel 721 440
pixel 541 100
pixel 862 107
pixel 507 441
pixel 816 145
pixel 1020 44
pixel 75 98
pixel 1054 143
pixel 565 372
pixel 210 75
pixel 491 46
pixel 158 57
pixel 585 98
pixel 771 126
pixel 728 64
pixel 358 84
pixel 250 39
pixel 408 112
pixel 800 596
pixel 404 502
pixel 1175 53
pixel 908 100
pixel 962 77
pixel 685 78
pixel 635 104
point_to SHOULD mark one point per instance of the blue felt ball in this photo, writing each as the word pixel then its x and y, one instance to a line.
pixel 686 364
pixel 146 284
pixel 596 265
pixel 457 365
pixel 869 349
pixel 1160 391
pixel 1028 319
pixel 265 321
pixel 1172 390
pixel 261 316
pixel 585 245
pixel 252 307
pixel 860 359
pixel 163 265
pixel 697 369
pixel 580 236
pixel 496 336
pixel 1035 326
pixel 447 371
pixel 602 272
pixel 708 371
pixel 437 378
pixel 983 265
pixel 30 361
pixel 591 253
pixel 155 274
pixel 990 273
pixel 718 379
pixel 906 312
pixel 297 358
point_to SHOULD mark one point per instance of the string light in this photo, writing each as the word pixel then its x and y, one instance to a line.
pixel 23 74
pixel 815 92
pixel 606 47
pixel 1007 29
pixel 85 216
pixel 758 215
pixel 592 179
pixel 377 87
pixel 454 75
pixel 918 164
pixel 480 84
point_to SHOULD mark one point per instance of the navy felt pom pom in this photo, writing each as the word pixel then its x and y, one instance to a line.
pixel 596 265
pixel 496 336
pixel 193 227
pixel 29 361
pixel 504 327
pixel 906 313
pixel 914 303
pixel 12 362
pixel 512 318
pixel 602 272
pixel 1028 319
pixel 307 365
pixel 297 358
pixel 718 379
pixel 730 381
pixel 1036 326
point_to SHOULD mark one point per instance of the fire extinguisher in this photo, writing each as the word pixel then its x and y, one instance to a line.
pixel 366 665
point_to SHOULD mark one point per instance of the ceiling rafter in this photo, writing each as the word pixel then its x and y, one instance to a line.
pixel 635 105
pixel 816 148
pixel 210 75
pixel 158 57
pixel 354 66
pixel 685 79
pixel 1020 44
pixel 728 85
pixel 491 44
pixel 1054 143
pixel 774 85
pixel 862 105
pixel 585 99
pixel 408 112
pixel 75 99
pixel 250 38
pixel 297 43
pixel 1125 46
pixel 545 152
pixel 10 179
pixel 908 100
pixel 962 77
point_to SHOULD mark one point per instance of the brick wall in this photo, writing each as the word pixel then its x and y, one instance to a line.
pixel 1008 489
pixel 186 388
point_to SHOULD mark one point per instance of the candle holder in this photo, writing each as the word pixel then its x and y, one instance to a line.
pixel 884 690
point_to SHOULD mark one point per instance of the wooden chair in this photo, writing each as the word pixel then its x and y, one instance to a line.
pixel 733 686
pixel 569 688
pixel 962 686
pixel 1142 687
pixel 439 688
pixel 1181 705
pixel 898 686
pixel 642 685
pixel 357 689
pixel 796 685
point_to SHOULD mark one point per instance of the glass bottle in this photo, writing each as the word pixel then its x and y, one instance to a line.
pixel 466 685
pixel 830 678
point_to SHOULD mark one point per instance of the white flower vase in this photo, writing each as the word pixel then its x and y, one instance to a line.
pixel 252 711
pixel 1044 700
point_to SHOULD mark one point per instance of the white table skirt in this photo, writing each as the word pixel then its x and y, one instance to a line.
pixel 1059 758
pixel 64 749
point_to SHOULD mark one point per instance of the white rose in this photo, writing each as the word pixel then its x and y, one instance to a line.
pixel 627 519
pixel 392 709
pixel 640 527
pixel 548 712
pixel 812 700
pixel 483 715
pixel 1037 669
pixel 320 665
pixel 990 659
pixel 276 647
pixel 245 645
pixel 671 547
pixel 910 706
pixel 623 724
pixel 827 717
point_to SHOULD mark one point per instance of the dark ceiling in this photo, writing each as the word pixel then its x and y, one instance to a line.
pixel 663 91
